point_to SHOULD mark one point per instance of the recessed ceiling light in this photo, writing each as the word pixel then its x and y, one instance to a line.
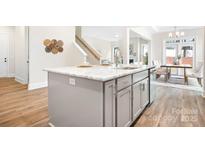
pixel 116 36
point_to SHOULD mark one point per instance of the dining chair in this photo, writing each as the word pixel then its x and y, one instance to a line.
pixel 161 71
pixel 197 73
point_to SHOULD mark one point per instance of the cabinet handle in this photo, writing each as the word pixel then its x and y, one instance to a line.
pixel 142 86
pixel 111 86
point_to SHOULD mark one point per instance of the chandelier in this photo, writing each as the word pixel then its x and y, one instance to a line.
pixel 176 33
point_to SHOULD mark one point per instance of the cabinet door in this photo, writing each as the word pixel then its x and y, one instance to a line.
pixel 110 104
pixel 124 107
pixel 136 100
pixel 144 93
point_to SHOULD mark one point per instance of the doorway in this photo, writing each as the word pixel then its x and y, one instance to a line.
pixel 14 53
pixel 4 54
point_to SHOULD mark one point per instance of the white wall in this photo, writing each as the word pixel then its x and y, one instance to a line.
pixel 135 43
pixel 145 32
pixel 103 46
pixel 39 59
pixel 9 30
pixel 124 45
pixel 158 38
pixel 21 54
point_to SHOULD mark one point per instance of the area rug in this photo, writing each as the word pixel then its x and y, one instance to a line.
pixel 178 82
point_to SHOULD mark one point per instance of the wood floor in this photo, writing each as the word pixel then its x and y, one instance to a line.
pixel 172 107
pixel 20 107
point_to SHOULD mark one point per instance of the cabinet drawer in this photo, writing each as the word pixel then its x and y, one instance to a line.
pixel 139 76
pixel 123 82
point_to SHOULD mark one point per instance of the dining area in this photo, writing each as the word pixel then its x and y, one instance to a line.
pixel 185 72
pixel 178 58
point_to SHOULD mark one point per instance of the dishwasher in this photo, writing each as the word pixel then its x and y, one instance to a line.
pixel 153 88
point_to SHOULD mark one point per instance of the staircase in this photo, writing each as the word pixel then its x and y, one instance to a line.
pixel 93 56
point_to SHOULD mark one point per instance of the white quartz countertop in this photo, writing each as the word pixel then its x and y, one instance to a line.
pixel 100 73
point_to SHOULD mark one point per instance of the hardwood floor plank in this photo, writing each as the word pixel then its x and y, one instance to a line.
pixel 20 107
pixel 174 108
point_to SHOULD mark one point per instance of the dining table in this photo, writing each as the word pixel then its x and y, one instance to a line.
pixel 183 66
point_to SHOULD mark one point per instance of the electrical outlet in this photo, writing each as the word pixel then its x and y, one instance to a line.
pixel 72 81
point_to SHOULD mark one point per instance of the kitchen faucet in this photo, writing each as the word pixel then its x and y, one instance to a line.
pixel 117 57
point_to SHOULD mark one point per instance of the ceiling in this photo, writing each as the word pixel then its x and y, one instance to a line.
pixel 159 29
pixel 109 33
pixel 115 33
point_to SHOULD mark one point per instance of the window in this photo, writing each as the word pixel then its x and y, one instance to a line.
pixel 187 52
pixel 179 51
pixel 171 53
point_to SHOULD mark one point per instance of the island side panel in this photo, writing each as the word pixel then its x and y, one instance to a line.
pixel 74 101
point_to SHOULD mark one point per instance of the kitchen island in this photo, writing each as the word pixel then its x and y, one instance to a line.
pixel 97 96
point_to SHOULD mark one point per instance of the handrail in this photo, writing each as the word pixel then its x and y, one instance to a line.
pixel 95 53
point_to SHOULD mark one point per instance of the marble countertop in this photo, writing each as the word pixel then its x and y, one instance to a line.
pixel 99 73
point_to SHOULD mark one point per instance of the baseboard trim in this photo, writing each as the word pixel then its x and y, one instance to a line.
pixel 203 94
pixel 11 75
pixel 32 86
pixel 20 80
pixel 51 125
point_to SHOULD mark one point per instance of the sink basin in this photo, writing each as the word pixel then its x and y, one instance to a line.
pixel 128 67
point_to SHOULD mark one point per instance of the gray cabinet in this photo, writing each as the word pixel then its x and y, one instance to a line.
pixel 79 104
pixel 136 100
pixel 140 97
pixel 124 107
pixel 144 93
pixel 109 104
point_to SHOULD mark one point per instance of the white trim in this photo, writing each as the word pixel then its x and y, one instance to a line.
pixel 32 86
pixel 20 80
pixel 11 75
pixel 80 49
pixel 203 94
pixel 51 125
pixel 85 55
